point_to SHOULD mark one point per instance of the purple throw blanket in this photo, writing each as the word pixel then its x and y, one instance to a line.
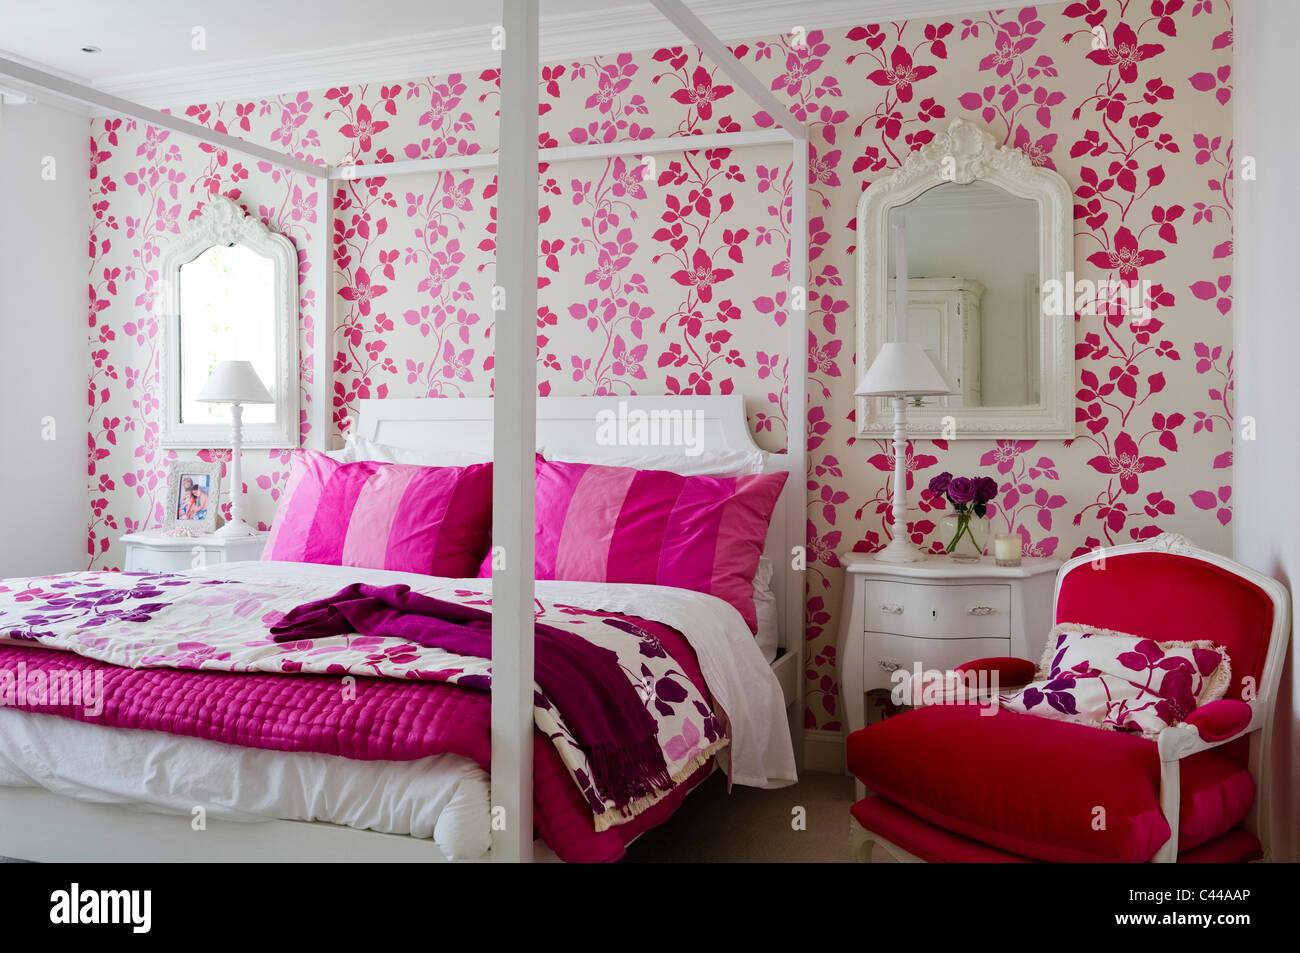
pixel 584 681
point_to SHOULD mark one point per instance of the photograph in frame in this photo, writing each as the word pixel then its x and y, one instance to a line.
pixel 193 497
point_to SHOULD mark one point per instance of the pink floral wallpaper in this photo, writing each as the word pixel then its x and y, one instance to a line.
pixel 670 279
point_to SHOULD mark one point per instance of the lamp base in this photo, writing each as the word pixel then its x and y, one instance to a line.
pixel 236 528
pixel 900 551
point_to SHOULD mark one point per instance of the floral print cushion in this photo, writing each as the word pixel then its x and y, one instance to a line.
pixel 1121 682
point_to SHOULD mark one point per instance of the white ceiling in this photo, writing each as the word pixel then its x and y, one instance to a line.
pixel 270 46
pixel 145 36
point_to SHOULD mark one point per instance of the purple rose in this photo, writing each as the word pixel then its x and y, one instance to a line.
pixel 940 483
pixel 961 491
pixel 986 489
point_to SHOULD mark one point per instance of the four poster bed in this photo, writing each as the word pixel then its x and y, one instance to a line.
pixel 60 809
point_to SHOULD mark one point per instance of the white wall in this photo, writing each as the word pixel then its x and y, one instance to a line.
pixel 43 355
pixel 1266 521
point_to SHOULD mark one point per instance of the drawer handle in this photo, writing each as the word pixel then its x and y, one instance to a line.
pixel 980 610
pixel 891 608
pixel 890 666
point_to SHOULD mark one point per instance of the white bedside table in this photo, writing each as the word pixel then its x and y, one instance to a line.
pixel 153 552
pixel 938 612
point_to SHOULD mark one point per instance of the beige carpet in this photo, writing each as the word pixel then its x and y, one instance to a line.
pixel 753 826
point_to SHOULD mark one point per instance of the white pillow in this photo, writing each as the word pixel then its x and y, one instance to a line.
pixel 361 448
pixel 768 633
pixel 707 463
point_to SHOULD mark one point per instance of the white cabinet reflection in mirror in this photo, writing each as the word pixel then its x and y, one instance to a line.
pixel 230 285
pixel 943 316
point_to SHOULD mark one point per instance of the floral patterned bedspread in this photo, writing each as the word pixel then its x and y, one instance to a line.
pixel 154 620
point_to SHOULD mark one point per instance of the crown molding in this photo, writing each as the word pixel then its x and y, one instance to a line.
pixel 16 93
pixel 624 28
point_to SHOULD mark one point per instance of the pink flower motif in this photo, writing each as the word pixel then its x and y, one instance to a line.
pixel 1005 453
pixel 792 79
pixel 457 196
pixel 1126 463
pixel 607 89
pixel 1003 57
pixel 685 746
pixel 609 262
pixel 1040 152
pixel 701 93
pixel 363 292
pixel 821 169
pixel 304 206
pixel 1125 52
pixel 822 357
pixel 628 363
pixel 627 180
pixel 912 462
pixel 364 127
pixel 1125 255
pixel 902 73
pixel 702 276
pixel 457 365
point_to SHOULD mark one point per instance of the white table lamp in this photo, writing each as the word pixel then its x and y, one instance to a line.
pixel 901 370
pixel 235 383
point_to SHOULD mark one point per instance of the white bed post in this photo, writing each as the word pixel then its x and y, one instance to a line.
pixel 28 76
pixel 514 439
pixel 797 420
pixel 694 30
pixel 322 391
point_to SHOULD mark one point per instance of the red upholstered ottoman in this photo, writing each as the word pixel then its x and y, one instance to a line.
pixel 934 845
pixel 959 785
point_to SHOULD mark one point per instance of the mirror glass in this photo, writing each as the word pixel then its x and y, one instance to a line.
pixel 973 290
pixel 227 312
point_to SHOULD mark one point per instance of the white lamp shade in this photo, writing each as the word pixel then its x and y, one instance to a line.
pixel 235 382
pixel 902 368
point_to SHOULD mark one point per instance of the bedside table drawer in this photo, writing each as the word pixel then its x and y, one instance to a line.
pixel 153 552
pixel 938 612
pixel 885 653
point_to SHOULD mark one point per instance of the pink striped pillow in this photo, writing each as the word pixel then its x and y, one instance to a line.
pixel 617 524
pixel 431 520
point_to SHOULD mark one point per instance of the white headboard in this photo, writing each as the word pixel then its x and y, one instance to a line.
pixel 465 424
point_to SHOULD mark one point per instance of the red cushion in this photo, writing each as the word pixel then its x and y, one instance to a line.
pixel 1011 671
pixel 1166 597
pixel 1219 720
pixel 935 845
pixel 1033 786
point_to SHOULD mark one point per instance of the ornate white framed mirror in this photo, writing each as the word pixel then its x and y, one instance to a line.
pixel 986 232
pixel 231 290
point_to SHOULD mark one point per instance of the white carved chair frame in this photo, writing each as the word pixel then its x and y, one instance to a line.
pixel 965 153
pixel 222 222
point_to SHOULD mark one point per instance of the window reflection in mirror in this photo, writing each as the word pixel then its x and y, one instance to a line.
pixel 989 237
pixel 227 312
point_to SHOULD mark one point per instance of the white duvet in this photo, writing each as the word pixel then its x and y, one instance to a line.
pixel 445 797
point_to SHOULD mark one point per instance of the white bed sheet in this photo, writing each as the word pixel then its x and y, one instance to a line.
pixel 444 797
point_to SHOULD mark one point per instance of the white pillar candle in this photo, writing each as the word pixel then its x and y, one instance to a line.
pixel 900 280
pixel 1006 550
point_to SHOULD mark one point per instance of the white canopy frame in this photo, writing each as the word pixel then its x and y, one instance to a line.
pixel 516 332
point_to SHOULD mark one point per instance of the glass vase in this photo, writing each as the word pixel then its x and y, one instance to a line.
pixel 965 536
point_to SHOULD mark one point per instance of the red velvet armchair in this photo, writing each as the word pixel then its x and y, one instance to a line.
pixel 947 784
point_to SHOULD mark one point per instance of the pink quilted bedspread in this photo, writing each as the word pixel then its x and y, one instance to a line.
pixel 389 720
